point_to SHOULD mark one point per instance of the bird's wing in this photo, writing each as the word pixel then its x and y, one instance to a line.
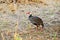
pixel 35 20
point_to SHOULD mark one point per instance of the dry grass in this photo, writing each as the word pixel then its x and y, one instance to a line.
pixel 30 34
pixel 2 36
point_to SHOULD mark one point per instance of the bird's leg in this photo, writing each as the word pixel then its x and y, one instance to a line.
pixel 41 28
pixel 37 28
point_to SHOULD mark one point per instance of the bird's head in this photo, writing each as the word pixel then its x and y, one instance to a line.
pixel 29 14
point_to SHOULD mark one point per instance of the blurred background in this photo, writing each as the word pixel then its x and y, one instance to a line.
pixel 15 25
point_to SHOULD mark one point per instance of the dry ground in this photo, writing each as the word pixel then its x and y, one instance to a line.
pixel 13 19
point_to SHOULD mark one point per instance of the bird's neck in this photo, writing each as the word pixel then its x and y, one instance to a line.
pixel 30 15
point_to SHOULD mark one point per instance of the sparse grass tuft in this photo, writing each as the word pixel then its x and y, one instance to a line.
pixel 16 35
pixel 54 36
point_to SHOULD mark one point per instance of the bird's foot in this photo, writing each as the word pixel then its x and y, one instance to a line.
pixel 41 29
pixel 37 29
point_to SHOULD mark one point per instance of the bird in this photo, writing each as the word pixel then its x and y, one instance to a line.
pixel 38 22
